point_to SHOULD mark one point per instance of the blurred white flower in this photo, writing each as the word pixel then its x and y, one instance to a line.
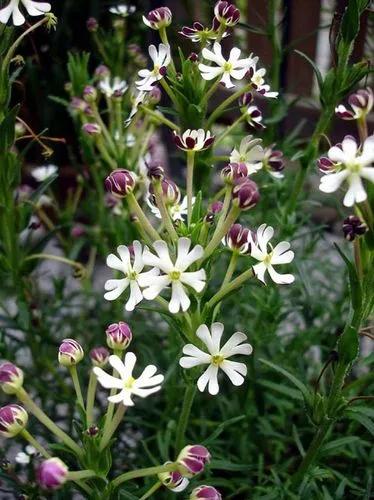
pixel 40 174
pixel 22 458
pixel 177 211
pixel 112 87
pixel 250 152
pixel 122 10
pixel 32 8
pixel 161 59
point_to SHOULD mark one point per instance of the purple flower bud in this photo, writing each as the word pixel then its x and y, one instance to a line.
pixel 325 165
pixel 102 71
pixel 174 481
pixel 99 356
pixel 170 192
pixel 246 99
pixel 92 24
pixel 70 353
pixel 205 493
pixel 361 103
pixel 134 49
pixel 154 96
pixel 13 419
pixel 158 18
pixel 155 171
pixel 353 226
pixel 77 104
pixel 93 431
pixel 216 207
pixel 78 231
pixel 193 57
pixel 118 336
pixel 120 182
pixel 245 194
pixel 234 171
pixel 238 239
pixel 192 459
pixel 226 13
pixel 52 474
pixel 11 377
pixel 89 93
pixel 91 129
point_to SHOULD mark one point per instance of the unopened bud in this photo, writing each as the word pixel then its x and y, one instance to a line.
pixel 158 18
pixel 192 459
pixel 11 377
pixel 226 13
pixel 70 353
pixel 174 481
pixel 13 419
pixel 92 24
pixel 245 194
pixel 99 356
pixel 205 493
pixel 89 93
pixel 52 474
pixel 118 336
pixel 234 171
pixel 120 182
pixel 91 129
pixel 353 226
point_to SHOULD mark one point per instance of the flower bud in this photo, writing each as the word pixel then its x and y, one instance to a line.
pixel 254 117
pixel 52 474
pixel 155 172
pixel 118 336
pixel 245 99
pixel 11 377
pixel 120 182
pixel 77 231
pixel 205 493
pixel 193 57
pixel 325 165
pixel 273 162
pixel 102 71
pixel 13 419
pixel 216 207
pixel 93 431
pixel 91 129
pixel 158 18
pixel 362 101
pixel 99 356
pixel 226 13
pixel 70 353
pixel 170 192
pixel 89 93
pixel 238 239
pixel 192 459
pixel 353 226
pixel 154 95
pixel 92 24
pixel 174 481
pixel 77 104
pixel 245 194
pixel 233 172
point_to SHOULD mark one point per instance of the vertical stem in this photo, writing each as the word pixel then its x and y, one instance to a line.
pixel 147 226
pixel 77 386
pixel 190 168
pixel 114 423
pixel 151 490
pixel 221 231
pixel 30 439
pixel 91 391
pixel 165 216
pixel 189 396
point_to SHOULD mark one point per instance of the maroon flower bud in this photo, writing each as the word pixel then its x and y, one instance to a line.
pixel 78 231
pixel 325 165
pixel 226 13
pixel 170 192
pixel 174 481
pixel 102 71
pixel 193 57
pixel 118 336
pixel 353 226
pixel 158 18
pixel 216 207
pixel 246 99
pixel 99 356
pixel 205 493
pixel 70 353
pixel 155 171
pixel 234 171
pixel 93 431
pixel 52 474
pixel 245 194
pixel 91 129
pixel 192 459
pixel 238 239
pixel 11 377
pixel 120 182
pixel 154 96
pixel 273 162
pixel 361 103
pixel 254 117
pixel 92 24
pixel 13 419
pixel 77 104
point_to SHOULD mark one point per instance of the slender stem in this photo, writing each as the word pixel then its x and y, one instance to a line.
pixel 189 396
pixel 229 129
pixel 221 108
pixel 91 392
pixel 165 216
pixel 141 145
pixel 190 168
pixel 148 471
pixel 30 439
pixel 136 208
pixel 159 118
pixel 77 265
pixel 357 255
pixel 111 429
pixel 105 154
pixel 104 128
pixel 236 283
pixel 80 474
pixel 165 41
pixel 221 231
pixel 77 386
pixel 230 269
pixel 169 92
pixel 151 490
pixel 362 128
pixel 224 209
pixel 211 90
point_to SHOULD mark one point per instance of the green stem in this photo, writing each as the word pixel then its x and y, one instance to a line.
pixel 147 226
pixel 159 118
pixel 221 231
pixel 236 283
pixel 77 386
pixel 190 168
pixel 104 128
pixel 111 429
pixel 165 216
pixel 151 490
pixel 30 439
pixel 91 392
pixel 189 396
pixel 170 93
pixel 148 471
pixel 221 108
pixel 80 474
pixel 229 129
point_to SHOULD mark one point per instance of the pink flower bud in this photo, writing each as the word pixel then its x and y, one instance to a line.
pixel 245 194
pixel 70 353
pixel 234 171
pixel 118 336
pixel 154 95
pixel 170 192
pixel 120 182
pixel 226 13
pixel 91 129
pixel 89 93
pixel 52 474
pixel 11 377
pixel 92 24
pixel 216 207
pixel 238 239
pixel 99 356
pixel 78 231
pixel 192 459
pixel 353 226
pixel 102 71
pixel 174 481
pixel 205 493
pixel 77 104
pixel 13 419
pixel 158 18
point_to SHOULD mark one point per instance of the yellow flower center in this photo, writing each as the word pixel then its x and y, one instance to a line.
pixel 128 384
pixel 227 67
pixel 267 259
pixel 217 359
pixel 132 275
pixel 175 275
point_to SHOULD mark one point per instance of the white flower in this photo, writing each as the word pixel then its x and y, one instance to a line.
pixel 352 165
pixel 194 140
pixel 257 78
pixel 139 99
pixel 40 174
pixel 122 10
pixel 161 59
pixel 280 254
pixel 33 9
pixel 250 153
pixel 132 272
pixel 116 87
pixel 217 357
pixel 233 67
pixel 143 386
pixel 22 458
pixel 177 211
pixel 175 273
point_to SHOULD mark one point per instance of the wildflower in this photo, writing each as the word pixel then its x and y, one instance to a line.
pixel 161 59
pixel 143 386
pixel 226 13
pixel 350 165
pixel 120 182
pixel 99 356
pixel 32 8
pixel 273 162
pixel 91 129
pixel 254 117
pixel 40 174
pixel 280 254
pixel 11 377
pixel 139 99
pixel 250 153
pixel 112 87
pixel 194 140
pixel 158 18
pixel 102 71
pixel 92 25
pixel 233 67
pixel 170 191
pixel 199 34
pixel 234 171
pixel 70 353
pixel 177 211
pixel 118 336
pixel 361 103
pixel 52 474
pixel 353 226
pixel 132 269
pixel 192 459
pixel 122 10
pixel 175 273
pixel 245 194
pixel 205 493
pixel 237 239
pixel 13 419
pixel 258 83
pixel 174 481
pixel 217 357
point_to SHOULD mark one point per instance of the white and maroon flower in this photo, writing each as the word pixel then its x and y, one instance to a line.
pixel 161 59
pixel 122 10
pixel 158 18
pixel 112 87
pixel 174 481
pixel 232 172
pixel 250 152
pixel 237 239
pixel 52 474
pixel 349 164
pixel 268 257
pixel 192 459
pixel 13 419
pixel 257 79
pixel 361 103
pixel 217 357
pixel 12 10
pixel 273 162
pixel 226 13
pixel 194 140
pixel 199 33
pixel 205 493
pixel 245 194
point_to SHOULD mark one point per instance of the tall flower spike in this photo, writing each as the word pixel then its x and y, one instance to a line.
pixel 161 59
pixel 158 18
pixel 132 269
pixel 143 386
pixel 194 140
pixel 217 357
pixel 13 10
pixel 269 257
pixel 176 274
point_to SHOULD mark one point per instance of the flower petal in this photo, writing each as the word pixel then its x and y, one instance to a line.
pixel 234 371
pixel 281 279
pixel 233 346
pixel 210 378
pixel 115 288
pixel 179 298
pixel 264 235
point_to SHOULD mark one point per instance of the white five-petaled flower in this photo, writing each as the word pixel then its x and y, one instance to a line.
pixel 143 386
pixel 216 357
pixel 250 153
pixel 12 10
pixel 194 140
pixel 269 257
pixel 122 10
pixel 350 165
pixel 233 67
pixel 42 173
pixel 161 59
pixel 113 87
pixel 133 273
pixel 175 273
pixel 177 211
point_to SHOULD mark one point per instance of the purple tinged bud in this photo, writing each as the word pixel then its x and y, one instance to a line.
pixel 91 129
pixel 120 183
pixel 154 96
pixel 193 57
pixel 118 336
pixel 216 207
pixel 325 165
pixel 226 13
pixel 238 239
pixel 102 71
pixel 92 24
pixel 70 353
pixel 78 231
pixel 170 192
pixel 158 18
pixel 205 493
pixel 13 419
pixel 192 459
pixel 246 99
pixel 11 377
pixel 245 194
pixel 52 474
pixel 99 356
pixel 77 104
pixel 234 171
pixel 353 226
pixel 174 481
pixel 89 93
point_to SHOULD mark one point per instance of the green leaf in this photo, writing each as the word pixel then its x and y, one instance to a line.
pixel 364 420
pixel 350 24
pixel 333 446
pixel 7 129
pixel 354 281
pixel 314 66
pixel 302 387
